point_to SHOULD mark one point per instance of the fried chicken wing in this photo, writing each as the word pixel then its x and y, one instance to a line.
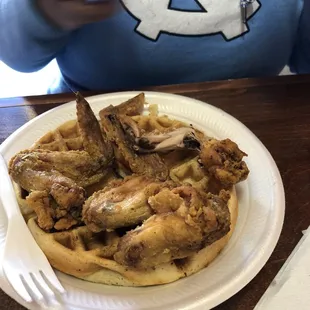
pixel 61 175
pixel 223 159
pixel 149 164
pixel 131 107
pixel 199 220
pixel 94 140
pixel 64 190
pixel 160 239
pixel 122 203
pixel 79 166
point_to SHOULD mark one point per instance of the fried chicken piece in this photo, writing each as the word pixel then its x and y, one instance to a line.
pixel 149 164
pixel 165 201
pixel 79 166
pixel 48 216
pixel 67 197
pixel 65 191
pixel 94 140
pixel 65 223
pixel 223 160
pixel 44 186
pixel 199 220
pixel 160 239
pixel 40 179
pixel 131 107
pixel 40 203
pixel 196 207
pixel 121 204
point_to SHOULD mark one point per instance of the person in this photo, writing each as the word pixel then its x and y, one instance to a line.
pixel 129 44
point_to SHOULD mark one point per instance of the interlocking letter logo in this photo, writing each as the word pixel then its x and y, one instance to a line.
pixel 220 16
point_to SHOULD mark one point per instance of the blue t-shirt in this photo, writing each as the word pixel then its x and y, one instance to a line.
pixel 152 42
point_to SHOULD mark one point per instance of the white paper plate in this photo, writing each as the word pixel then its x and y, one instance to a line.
pixel 261 214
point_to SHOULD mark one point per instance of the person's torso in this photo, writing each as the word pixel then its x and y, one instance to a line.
pixel 154 42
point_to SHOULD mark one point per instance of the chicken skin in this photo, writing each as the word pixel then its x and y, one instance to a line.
pixel 131 107
pixel 78 166
pixel 223 160
pixel 122 203
pixel 196 220
pixel 50 216
pixel 94 140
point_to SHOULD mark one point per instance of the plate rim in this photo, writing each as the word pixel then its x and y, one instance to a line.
pixel 279 188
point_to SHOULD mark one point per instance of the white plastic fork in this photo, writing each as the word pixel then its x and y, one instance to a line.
pixel 24 264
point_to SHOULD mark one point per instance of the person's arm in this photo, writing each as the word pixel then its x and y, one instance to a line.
pixel 28 41
pixel 300 59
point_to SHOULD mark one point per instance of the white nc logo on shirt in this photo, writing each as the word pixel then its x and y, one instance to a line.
pixel 219 16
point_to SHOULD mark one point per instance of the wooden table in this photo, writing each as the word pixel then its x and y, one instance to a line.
pixel 277 110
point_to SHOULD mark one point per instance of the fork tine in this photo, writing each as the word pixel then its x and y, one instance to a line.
pixel 17 284
pixel 32 286
pixel 51 278
pixel 40 280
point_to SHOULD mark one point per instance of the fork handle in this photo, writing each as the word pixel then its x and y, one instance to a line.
pixel 7 193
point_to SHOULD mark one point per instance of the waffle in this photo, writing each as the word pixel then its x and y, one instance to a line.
pixel 65 138
pixel 155 123
pixel 190 172
pixel 89 256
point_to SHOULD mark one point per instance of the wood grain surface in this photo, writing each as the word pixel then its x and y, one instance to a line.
pixel 277 110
